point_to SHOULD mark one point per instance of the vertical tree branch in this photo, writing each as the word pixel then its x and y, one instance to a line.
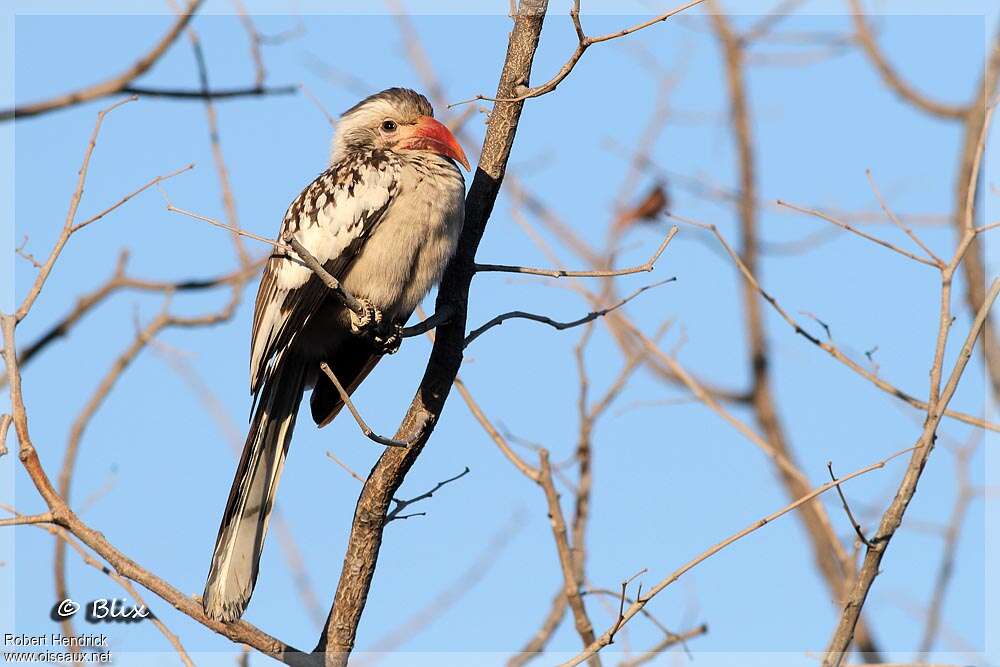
pixel 831 558
pixel 568 564
pixel 965 494
pixel 338 636
pixel 974 264
pixel 937 403
pixel 893 517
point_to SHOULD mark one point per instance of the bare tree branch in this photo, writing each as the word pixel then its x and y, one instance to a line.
pixel 974 264
pixel 369 433
pixel 401 505
pixel 118 281
pixel 27 519
pixel 965 494
pixel 668 641
pixel 636 607
pixel 534 646
pixel 893 516
pixel 830 348
pixel 62 535
pixel 477 412
pixel 208 95
pixel 646 266
pixel 896 221
pixel 64 517
pixel 583 43
pixel 115 84
pixel 571 586
pixel 831 558
pixel 862 234
pixel 891 77
pixel 74 204
pixel 560 326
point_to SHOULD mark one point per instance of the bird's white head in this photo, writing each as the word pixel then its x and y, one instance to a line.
pixel 398 120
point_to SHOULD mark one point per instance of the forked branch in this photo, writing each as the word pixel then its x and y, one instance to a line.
pixel 583 43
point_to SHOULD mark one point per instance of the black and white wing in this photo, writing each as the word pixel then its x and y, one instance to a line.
pixel 332 218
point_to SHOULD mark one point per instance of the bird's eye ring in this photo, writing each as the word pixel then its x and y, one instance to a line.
pixel 388 126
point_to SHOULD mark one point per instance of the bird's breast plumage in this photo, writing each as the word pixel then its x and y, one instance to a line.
pixel 408 250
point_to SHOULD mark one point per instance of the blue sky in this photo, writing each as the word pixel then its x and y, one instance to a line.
pixel 669 481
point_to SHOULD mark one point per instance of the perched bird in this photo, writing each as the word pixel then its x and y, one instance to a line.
pixel 383 219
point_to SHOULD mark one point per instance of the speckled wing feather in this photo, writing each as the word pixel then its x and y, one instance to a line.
pixel 332 218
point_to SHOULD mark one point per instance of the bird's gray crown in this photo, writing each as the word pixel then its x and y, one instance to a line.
pixel 407 102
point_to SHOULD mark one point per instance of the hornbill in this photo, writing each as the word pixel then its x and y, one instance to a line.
pixel 383 219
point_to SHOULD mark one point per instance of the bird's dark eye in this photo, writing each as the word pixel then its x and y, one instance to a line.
pixel 388 126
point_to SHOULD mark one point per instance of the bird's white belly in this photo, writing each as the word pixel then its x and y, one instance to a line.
pixel 407 252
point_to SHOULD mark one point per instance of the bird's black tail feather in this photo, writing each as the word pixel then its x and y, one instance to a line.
pixel 241 537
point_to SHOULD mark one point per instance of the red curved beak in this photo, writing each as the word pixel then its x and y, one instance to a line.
pixel 429 134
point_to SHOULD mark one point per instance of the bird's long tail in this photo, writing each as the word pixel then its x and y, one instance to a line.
pixel 233 573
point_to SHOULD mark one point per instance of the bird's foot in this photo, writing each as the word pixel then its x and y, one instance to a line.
pixel 370 317
pixel 389 339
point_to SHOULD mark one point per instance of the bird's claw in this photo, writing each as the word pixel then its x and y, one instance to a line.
pixel 369 317
pixel 390 342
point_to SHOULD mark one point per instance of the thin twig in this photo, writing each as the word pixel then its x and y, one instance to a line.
pixel 427 324
pixel 330 119
pixel 893 516
pixel 899 223
pixel 988 227
pixel 115 84
pixel 25 255
pixel 369 433
pixel 862 234
pixel 74 204
pixel 277 245
pixel 154 182
pixel 501 442
pixel 260 73
pixel 396 512
pixel 641 602
pixel 292 249
pixel 583 43
pixel 186 94
pixel 667 642
pixel 560 326
pixel 228 201
pixel 828 347
pixel 333 457
pixel 571 585
pixel 847 508
pixel 646 266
